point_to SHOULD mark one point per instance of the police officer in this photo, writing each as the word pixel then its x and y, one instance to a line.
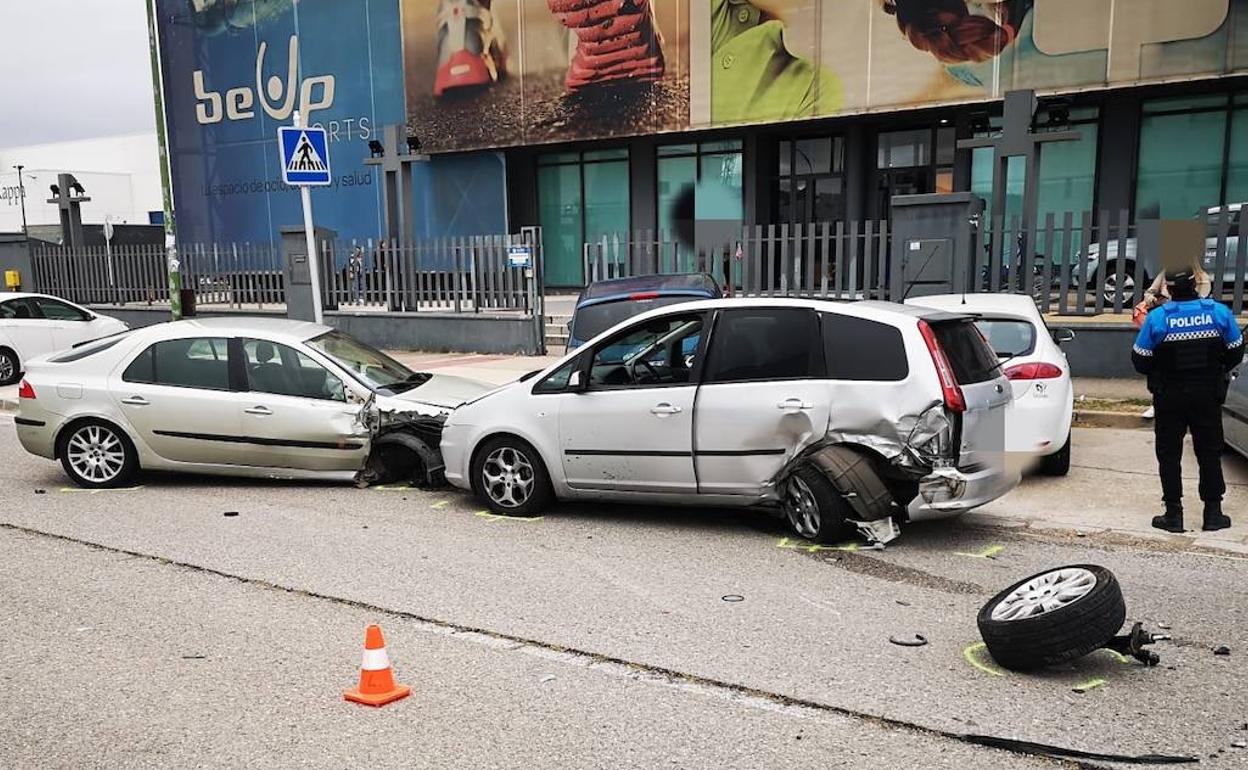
pixel 1187 348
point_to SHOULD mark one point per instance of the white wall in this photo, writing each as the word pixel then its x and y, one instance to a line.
pixel 121 175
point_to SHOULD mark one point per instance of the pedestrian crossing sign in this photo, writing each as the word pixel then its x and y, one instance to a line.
pixel 305 155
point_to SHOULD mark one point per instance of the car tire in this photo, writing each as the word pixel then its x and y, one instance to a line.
pixel 1110 288
pixel 10 367
pixel 98 455
pixel 1026 628
pixel 812 506
pixel 1058 463
pixel 508 475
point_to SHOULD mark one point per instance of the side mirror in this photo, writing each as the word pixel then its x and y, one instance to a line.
pixel 576 382
pixel 1061 336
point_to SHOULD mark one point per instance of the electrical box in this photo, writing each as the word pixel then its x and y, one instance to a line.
pixel 12 280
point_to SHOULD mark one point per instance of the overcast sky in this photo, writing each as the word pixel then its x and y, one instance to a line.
pixel 73 69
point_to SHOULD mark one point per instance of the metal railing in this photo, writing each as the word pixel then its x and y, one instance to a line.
pixel 452 275
pixel 1073 263
pixel 223 275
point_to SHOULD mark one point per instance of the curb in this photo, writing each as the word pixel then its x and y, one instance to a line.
pixel 1091 418
pixel 1192 540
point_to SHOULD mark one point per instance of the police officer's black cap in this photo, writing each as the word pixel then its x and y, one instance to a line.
pixel 1181 282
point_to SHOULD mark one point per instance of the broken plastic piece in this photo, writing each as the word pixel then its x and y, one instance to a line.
pixel 1222 649
pixel 918 641
pixel 879 532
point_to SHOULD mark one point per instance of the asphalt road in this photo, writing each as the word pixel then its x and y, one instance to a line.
pixel 144 628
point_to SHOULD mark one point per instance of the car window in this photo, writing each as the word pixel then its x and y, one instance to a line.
pixel 860 349
pixel 283 371
pixel 1009 337
pixel 661 351
pixel 590 321
pixel 18 308
pixel 557 381
pixel 56 310
pixel 193 362
pixel 968 352
pixel 777 343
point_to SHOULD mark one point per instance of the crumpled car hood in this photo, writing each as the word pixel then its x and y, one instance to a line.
pixel 445 391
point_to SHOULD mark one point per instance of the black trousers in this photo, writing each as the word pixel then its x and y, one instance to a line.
pixel 1179 410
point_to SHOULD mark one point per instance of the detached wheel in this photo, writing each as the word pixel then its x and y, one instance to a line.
pixel 509 476
pixel 97 455
pixel 1058 463
pixel 815 510
pixel 1053 617
pixel 10 367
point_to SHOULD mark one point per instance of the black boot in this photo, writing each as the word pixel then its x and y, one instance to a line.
pixel 1214 518
pixel 1171 520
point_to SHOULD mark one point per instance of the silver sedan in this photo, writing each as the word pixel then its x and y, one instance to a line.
pixel 243 396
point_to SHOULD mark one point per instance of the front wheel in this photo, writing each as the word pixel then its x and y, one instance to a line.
pixel 10 368
pixel 1111 286
pixel 509 476
pixel 97 455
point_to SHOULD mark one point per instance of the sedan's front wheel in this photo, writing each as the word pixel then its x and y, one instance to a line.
pixel 509 476
pixel 97 455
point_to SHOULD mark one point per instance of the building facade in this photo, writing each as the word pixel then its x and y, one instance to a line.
pixel 696 118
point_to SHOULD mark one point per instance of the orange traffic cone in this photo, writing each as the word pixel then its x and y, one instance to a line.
pixel 377 687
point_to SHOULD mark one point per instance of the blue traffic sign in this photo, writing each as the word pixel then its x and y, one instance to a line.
pixel 305 155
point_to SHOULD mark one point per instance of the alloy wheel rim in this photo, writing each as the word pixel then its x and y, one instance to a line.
pixel 1111 288
pixel 6 366
pixel 1045 593
pixel 801 508
pixel 96 453
pixel 508 477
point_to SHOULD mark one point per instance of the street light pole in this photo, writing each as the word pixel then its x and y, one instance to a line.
pixel 21 194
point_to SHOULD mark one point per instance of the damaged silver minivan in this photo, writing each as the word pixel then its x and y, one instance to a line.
pixel 847 415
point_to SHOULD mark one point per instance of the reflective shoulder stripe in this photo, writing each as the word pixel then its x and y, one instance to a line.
pixel 375 660
pixel 1141 351
pixel 1236 343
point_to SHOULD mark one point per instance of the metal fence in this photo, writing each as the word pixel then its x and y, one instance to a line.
pixel 1073 263
pixel 227 275
pixel 458 275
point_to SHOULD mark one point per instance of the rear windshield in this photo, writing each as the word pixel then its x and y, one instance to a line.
pixel 969 355
pixel 1009 337
pixel 87 349
pixel 591 321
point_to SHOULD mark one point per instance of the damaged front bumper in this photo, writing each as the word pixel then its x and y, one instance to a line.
pixel 951 491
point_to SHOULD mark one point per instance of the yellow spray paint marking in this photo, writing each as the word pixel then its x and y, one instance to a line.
pixel 78 490
pixel 439 505
pixel 495 517
pixel 988 553
pixel 1091 684
pixel 395 488
pixel 971 654
pixel 802 545
pixel 1118 655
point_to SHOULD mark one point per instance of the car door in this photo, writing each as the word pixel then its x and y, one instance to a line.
pixel 631 427
pixel 27 333
pixel 295 411
pixel 763 395
pixel 1235 413
pixel 177 396
pixel 68 323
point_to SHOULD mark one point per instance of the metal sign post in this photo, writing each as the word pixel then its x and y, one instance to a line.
pixel 305 163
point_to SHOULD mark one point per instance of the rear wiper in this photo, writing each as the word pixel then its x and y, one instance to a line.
pixel 1002 362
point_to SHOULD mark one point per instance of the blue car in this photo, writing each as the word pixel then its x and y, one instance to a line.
pixel 604 304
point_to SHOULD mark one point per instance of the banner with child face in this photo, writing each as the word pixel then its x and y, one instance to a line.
pixel 493 73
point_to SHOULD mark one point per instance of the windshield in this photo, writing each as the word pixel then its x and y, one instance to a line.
pixel 1008 337
pixel 370 366
pixel 593 320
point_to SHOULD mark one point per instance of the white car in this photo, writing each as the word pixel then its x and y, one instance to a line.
pixel 1031 357
pixel 245 396
pixel 34 324
pixel 853 413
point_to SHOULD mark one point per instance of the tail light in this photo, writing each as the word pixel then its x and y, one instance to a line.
pixel 1033 371
pixel 949 388
pixel 25 390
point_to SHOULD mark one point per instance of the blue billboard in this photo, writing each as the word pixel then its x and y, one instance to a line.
pixel 235 70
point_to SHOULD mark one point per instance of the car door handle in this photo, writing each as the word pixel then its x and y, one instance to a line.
pixel 136 401
pixel 664 409
pixel 794 405
pixel 260 410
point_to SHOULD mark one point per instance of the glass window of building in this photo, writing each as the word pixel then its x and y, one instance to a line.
pixel 580 197
pixel 700 194
pixel 1182 156
pixel 810 186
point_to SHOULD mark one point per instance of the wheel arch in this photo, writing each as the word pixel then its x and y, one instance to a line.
pixel 64 431
pixel 487 437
